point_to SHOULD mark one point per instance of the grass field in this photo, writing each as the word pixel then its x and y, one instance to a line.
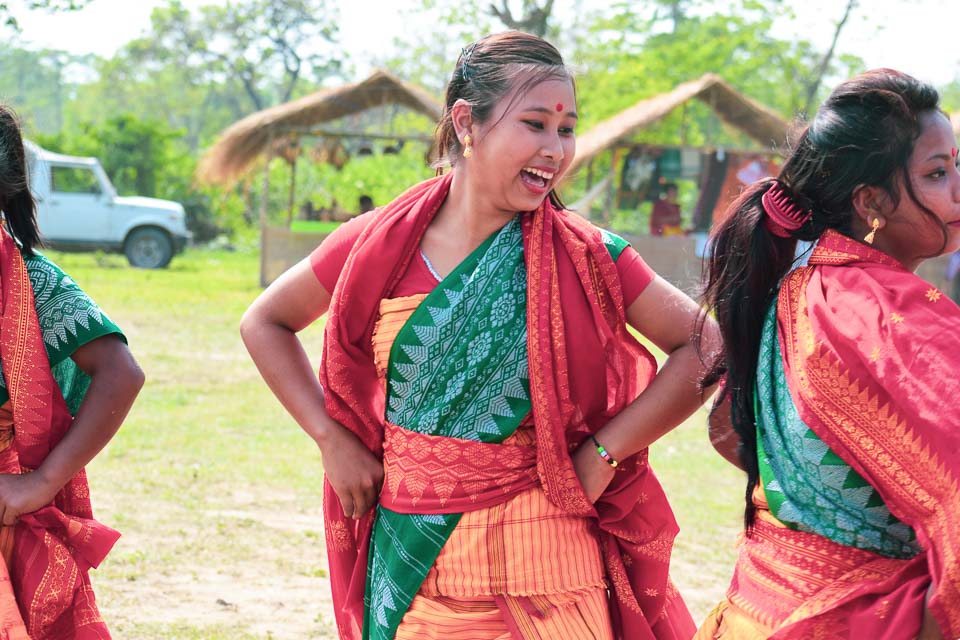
pixel 314 226
pixel 217 492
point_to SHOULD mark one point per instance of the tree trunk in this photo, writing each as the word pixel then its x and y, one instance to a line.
pixel 814 84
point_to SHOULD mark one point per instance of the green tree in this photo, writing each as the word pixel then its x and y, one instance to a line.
pixel 202 70
pixel 34 83
pixel 266 47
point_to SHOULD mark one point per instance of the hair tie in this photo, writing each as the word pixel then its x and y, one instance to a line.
pixel 783 214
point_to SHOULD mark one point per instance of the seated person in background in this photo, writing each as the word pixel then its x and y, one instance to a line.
pixel 366 203
pixel 665 216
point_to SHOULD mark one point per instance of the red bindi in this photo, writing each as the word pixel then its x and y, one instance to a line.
pixel 560 108
pixel 953 152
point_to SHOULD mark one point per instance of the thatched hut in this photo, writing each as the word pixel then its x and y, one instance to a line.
pixel 760 123
pixel 276 132
pixel 243 142
pixel 717 170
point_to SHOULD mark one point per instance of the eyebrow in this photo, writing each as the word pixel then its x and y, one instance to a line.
pixel 570 114
pixel 940 156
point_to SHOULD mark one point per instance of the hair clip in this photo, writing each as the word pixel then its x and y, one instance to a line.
pixel 465 53
pixel 783 214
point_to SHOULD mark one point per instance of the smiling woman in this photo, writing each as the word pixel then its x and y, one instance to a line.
pixel 483 412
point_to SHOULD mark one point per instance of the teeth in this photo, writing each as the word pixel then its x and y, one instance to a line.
pixel 546 175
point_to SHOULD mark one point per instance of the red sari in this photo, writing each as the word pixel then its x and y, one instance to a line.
pixel 566 260
pixel 54 547
pixel 870 355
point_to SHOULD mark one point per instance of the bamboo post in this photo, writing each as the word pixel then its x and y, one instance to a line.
pixel 612 186
pixel 293 190
pixel 264 197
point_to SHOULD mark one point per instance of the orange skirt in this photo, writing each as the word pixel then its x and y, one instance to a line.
pixel 579 615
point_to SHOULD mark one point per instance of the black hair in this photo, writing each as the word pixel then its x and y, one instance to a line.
pixel 863 134
pixel 16 200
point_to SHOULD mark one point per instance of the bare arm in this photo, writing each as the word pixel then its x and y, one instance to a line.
pixel 115 381
pixel 269 329
pixel 667 317
pixel 722 435
pixel 929 629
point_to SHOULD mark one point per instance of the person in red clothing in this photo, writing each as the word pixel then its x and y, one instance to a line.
pixel 665 217
pixel 68 380
pixel 837 400
pixel 485 446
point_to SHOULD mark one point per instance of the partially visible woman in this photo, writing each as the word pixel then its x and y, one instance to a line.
pixel 840 376
pixel 478 365
pixel 68 382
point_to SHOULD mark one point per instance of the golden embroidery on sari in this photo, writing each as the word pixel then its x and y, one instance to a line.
pixel 857 417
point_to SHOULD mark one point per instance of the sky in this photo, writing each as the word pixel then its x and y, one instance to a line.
pixel 915 36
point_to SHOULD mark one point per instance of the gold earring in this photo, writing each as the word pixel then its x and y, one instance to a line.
pixel 874 226
pixel 467 148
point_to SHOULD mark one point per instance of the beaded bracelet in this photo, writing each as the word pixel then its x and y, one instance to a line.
pixel 604 453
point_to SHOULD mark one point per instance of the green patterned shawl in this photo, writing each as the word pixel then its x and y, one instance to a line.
pixel 69 319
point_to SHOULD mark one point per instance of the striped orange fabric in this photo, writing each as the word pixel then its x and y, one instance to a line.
pixel 578 615
pixel 526 546
pixel 394 313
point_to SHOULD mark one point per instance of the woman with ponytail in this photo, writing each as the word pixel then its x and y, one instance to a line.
pixel 839 394
pixel 68 382
pixel 478 368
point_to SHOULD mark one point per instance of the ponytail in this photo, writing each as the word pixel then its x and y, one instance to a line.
pixel 16 201
pixel 746 263
pixel 20 212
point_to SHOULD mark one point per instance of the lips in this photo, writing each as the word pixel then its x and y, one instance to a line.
pixel 537 179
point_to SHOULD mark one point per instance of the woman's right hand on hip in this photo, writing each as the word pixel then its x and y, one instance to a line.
pixel 355 474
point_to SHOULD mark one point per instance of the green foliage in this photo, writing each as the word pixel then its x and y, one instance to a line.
pixel 381 176
pixel 950 97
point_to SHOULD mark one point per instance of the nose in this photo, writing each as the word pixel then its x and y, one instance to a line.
pixel 553 149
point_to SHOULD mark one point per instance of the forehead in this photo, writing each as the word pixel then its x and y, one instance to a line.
pixel 548 93
pixel 936 137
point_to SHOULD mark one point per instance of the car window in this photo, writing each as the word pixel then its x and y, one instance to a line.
pixel 73 180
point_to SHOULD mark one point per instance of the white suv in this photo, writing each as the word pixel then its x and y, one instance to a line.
pixel 78 208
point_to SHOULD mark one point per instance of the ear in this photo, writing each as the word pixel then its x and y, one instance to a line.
pixel 462 116
pixel 871 203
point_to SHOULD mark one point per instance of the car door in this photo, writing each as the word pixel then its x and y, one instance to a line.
pixel 78 210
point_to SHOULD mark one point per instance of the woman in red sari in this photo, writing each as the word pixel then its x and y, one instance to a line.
pixel 68 381
pixel 482 412
pixel 841 376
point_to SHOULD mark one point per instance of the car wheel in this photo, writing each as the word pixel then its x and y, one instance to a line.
pixel 148 248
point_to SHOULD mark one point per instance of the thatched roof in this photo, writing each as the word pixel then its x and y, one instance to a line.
pixel 241 143
pixel 757 121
